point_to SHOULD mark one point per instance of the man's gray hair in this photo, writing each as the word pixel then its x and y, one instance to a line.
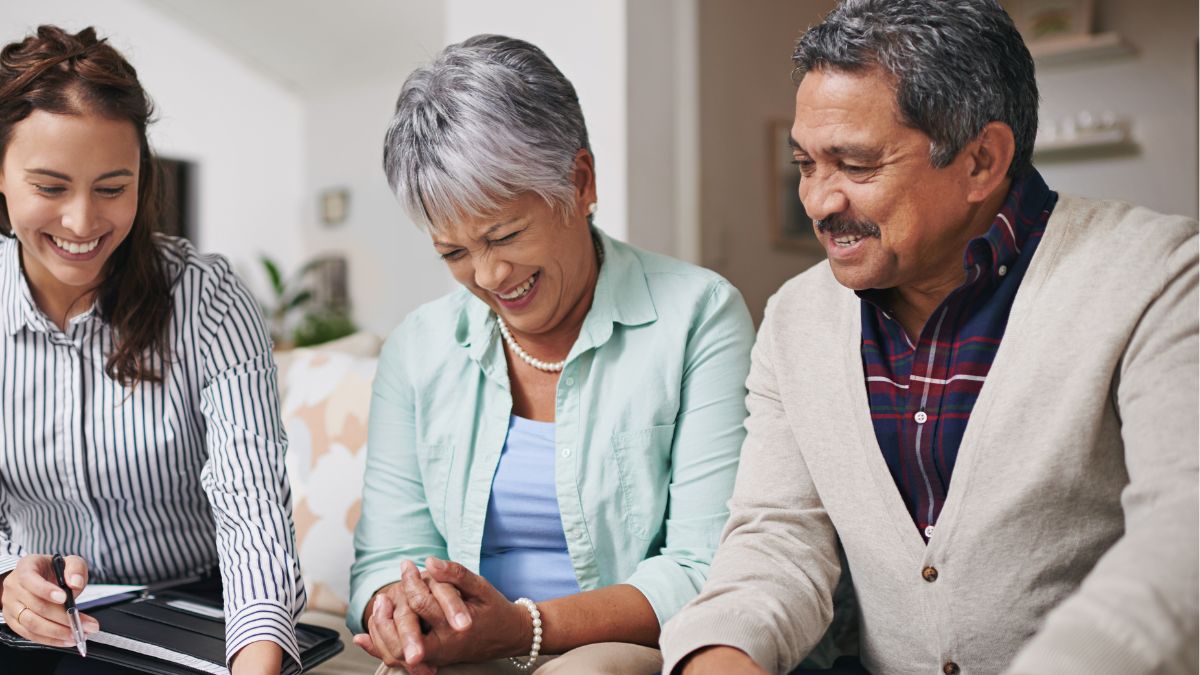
pixel 489 119
pixel 957 65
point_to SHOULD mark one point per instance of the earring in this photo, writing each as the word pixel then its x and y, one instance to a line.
pixel 592 209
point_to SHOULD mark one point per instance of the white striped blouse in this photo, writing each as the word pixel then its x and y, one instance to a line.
pixel 158 481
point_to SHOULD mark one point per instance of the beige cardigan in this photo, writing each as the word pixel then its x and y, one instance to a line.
pixel 1068 540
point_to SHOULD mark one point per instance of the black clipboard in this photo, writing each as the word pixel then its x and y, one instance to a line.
pixel 176 621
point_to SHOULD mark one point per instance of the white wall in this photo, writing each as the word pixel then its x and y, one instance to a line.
pixel 243 130
pixel 587 41
pixel 392 266
pixel 1155 87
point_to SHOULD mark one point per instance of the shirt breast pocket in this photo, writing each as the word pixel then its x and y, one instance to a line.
pixel 643 458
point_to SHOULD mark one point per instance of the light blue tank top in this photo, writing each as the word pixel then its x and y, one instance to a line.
pixel 524 551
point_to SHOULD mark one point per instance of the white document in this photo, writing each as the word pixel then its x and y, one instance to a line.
pixel 157 652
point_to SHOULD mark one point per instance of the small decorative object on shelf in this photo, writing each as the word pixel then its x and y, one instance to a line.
pixel 1060 31
pixel 1083 131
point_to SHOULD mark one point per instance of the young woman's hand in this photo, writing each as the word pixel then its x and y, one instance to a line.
pixel 33 602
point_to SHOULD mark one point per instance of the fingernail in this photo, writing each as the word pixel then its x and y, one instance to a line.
pixel 410 653
pixel 436 564
pixel 462 620
pixel 68 643
pixel 58 596
pixel 77 580
pixel 91 627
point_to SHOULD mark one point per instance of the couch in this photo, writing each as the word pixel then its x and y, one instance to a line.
pixel 325 393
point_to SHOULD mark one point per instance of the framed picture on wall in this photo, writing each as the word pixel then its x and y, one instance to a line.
pixel 1040 20
pixel 791 228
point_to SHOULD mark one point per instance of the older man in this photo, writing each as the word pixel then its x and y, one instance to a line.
pixel 985 403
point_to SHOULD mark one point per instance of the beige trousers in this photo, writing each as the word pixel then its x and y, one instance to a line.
pixel 605 658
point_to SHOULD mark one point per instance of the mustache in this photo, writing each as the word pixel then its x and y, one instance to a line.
pixel 838 225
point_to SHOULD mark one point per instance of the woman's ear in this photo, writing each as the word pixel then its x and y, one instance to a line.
pixel 585 181
pixel 990 156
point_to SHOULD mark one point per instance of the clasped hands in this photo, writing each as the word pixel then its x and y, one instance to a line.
pixel 446 614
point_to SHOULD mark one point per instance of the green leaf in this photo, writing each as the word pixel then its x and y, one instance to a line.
pixel 300 298
pixel 273 274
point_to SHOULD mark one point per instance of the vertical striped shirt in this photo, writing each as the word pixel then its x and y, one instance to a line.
pixel 921 394
pixel 160 480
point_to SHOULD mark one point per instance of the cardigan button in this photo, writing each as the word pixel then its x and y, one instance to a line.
pixel 921 417
pixel 950 668
pixel 930 574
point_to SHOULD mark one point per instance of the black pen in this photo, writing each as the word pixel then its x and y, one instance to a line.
pixel 58 564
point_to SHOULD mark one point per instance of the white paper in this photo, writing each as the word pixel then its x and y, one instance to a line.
pixel 157 652
pixel 96 594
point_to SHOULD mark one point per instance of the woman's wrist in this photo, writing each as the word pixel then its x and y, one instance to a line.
pixel 524 632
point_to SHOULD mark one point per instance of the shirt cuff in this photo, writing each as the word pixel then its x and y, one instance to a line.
pixel 263 620
pixel 667 584
pixel 8 563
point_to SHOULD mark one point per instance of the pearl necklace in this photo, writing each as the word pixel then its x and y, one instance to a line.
pixel 544 366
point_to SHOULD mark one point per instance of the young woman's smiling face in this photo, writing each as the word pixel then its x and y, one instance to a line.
pixel 70 183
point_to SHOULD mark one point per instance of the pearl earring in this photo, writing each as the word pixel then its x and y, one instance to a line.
pixel 592 209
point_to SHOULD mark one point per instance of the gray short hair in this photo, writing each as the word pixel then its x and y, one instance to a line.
pixel 489 119
pixel 957 65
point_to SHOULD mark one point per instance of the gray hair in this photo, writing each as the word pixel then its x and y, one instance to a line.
pixel 957 65
pixel 489 119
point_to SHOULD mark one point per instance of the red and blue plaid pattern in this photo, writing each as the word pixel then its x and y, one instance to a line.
pixel 921 394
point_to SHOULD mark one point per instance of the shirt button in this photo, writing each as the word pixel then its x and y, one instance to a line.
pixel 921 417
pixel 566 452
pixel 570 381
pixel 951 668
pixel 929 574
pixel 1003 270
pixel 928 531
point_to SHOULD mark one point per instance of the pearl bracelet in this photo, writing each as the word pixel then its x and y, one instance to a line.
pixel 537 635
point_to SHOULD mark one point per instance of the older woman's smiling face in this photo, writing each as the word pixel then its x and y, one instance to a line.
pixel 529 265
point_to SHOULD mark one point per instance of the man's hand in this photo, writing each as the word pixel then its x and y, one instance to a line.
pixel 719 661
pixel 258 658
pixel 33 602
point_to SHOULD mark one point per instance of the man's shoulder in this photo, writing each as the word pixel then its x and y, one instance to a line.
pixel 1118 238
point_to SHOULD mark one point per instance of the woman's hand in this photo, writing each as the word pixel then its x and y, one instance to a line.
pixel 33 602
pixel 258 658
pixel 401 613
pixel 447 615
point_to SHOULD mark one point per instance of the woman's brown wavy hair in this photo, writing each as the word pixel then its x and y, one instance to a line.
pixel 78 74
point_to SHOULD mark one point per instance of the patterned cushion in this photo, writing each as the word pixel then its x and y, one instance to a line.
pixel 326 394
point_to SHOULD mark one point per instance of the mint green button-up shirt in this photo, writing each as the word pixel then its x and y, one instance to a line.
pixel 648 429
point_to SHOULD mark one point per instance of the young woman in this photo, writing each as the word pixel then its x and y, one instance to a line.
pixel 139 424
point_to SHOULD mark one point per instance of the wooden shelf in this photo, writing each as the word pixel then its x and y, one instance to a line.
pixel 1114 139
pixel 1078 49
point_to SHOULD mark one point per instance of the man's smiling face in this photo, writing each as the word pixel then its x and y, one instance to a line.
pixel 886 217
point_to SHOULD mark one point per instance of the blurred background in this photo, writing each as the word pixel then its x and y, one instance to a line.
pixel 271 114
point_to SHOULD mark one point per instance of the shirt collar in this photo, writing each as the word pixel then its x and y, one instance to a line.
pixel 1023 213
pixel 1018 218
pixel 622 296
pixel 19 310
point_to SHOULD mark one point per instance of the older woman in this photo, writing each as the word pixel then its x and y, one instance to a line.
pixel 566 427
